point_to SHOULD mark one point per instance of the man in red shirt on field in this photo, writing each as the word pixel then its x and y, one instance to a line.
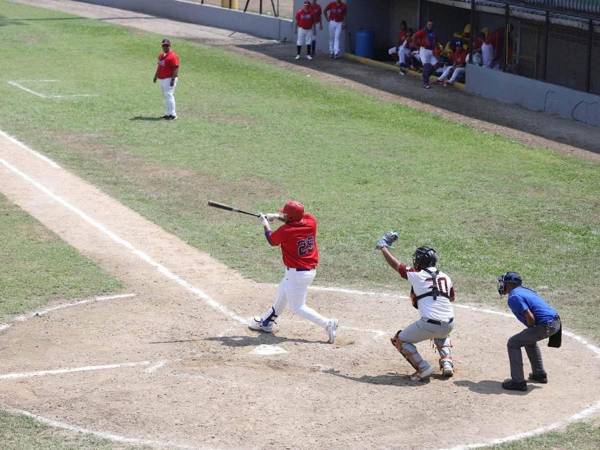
pixel 297 238
pixel 166 73
pixel 305 21
pixel 335 13
pixel 317 13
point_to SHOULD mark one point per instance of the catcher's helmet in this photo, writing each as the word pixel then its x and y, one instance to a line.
pixel 508 277
pixel 424 257
pixel 293 210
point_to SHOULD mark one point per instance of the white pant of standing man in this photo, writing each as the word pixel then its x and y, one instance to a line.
pixel 305 36
pixel 169 95
pixel 292 291
pixel 335 31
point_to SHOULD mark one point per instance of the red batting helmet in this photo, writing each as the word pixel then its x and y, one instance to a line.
pixel 293 210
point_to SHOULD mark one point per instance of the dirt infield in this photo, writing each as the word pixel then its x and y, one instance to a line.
pixel 184 370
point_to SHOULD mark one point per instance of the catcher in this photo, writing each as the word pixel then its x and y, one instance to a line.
pixel 431 293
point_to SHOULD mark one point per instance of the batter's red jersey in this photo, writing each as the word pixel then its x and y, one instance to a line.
pixel 167 63
pixel 298 241
pixel 305 18
pixel 337 11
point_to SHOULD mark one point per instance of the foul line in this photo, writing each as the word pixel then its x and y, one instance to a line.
pixel 39 94
pixel 28 149
pixel 43 373
pixel 119 240
pixel 108 436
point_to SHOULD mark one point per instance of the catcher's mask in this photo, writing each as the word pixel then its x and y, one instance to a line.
pixel 424 257
pixel 293 210
pixel 506 278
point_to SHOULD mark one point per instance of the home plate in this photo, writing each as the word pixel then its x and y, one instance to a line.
pixel 267 350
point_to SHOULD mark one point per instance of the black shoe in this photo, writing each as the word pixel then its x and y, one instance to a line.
pixel 538 378
pixel 171 117
pixel 166 117
pixel 510 385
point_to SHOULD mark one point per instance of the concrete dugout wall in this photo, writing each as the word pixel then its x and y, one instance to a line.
pixel 533 94
pixel 255 24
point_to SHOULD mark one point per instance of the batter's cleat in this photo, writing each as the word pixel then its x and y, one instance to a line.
pixel 422 375
pixel 297 57
pixel 447 369
pixel 331 330
pixel 538 378
pixel 257 325
pixel 511 385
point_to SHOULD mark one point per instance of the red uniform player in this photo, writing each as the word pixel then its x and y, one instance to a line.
pixel 317 13
pixel 305 21
pixel 297 238
pixel 335 13
pixel 167 71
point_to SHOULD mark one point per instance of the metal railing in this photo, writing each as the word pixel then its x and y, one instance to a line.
pixel 275 8
pixel 584 10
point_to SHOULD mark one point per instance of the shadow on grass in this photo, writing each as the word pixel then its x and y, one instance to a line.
pixel 491 387
pixel 147 118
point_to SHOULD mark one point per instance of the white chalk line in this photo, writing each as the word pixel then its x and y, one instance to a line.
pixel 119 240
pixel 29 149
pixel 43 373
pixel 215 305
pixel 588 412
pixel 44 311
pixel 159 365
pixel 101 434
pixel 18 85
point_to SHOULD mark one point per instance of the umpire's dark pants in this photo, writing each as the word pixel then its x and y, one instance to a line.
pixel 529 338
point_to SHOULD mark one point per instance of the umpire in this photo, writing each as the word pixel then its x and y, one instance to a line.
pixel 542 321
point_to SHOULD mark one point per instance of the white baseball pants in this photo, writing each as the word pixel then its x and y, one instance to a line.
pixel 402 52
pixel 305 37
pixel 487 54
pixel 169 95
pixel 456 72
pixel 335 32
pixel 426 56
pixel 292 290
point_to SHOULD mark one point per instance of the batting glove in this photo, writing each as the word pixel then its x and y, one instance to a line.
pixel 273 216
pixel 264 220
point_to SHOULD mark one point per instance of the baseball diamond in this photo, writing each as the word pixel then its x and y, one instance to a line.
pixel 136 312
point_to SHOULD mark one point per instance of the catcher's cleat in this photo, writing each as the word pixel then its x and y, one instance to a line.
pixel 538 378
pixel 447 369
pixel 422 375
pixel 257 325
pixel 331 330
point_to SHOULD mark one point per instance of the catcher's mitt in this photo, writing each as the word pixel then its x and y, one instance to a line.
pixel 387 240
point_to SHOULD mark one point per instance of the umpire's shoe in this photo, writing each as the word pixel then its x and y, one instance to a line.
pixel 538 378
pixel 511 385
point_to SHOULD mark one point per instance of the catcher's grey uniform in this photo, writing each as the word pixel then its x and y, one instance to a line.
pixel 431 293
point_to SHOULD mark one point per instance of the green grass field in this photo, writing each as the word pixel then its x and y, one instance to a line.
pixel 254 135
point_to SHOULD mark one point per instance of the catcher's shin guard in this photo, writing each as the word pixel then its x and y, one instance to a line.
pixel 443 346
pixel 410 353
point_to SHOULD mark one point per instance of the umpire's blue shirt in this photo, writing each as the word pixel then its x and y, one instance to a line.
pixel 522 299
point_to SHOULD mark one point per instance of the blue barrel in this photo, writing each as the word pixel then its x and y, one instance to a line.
pixel 363 44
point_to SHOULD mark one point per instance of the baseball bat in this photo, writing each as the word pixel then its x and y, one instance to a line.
pixel 230 208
